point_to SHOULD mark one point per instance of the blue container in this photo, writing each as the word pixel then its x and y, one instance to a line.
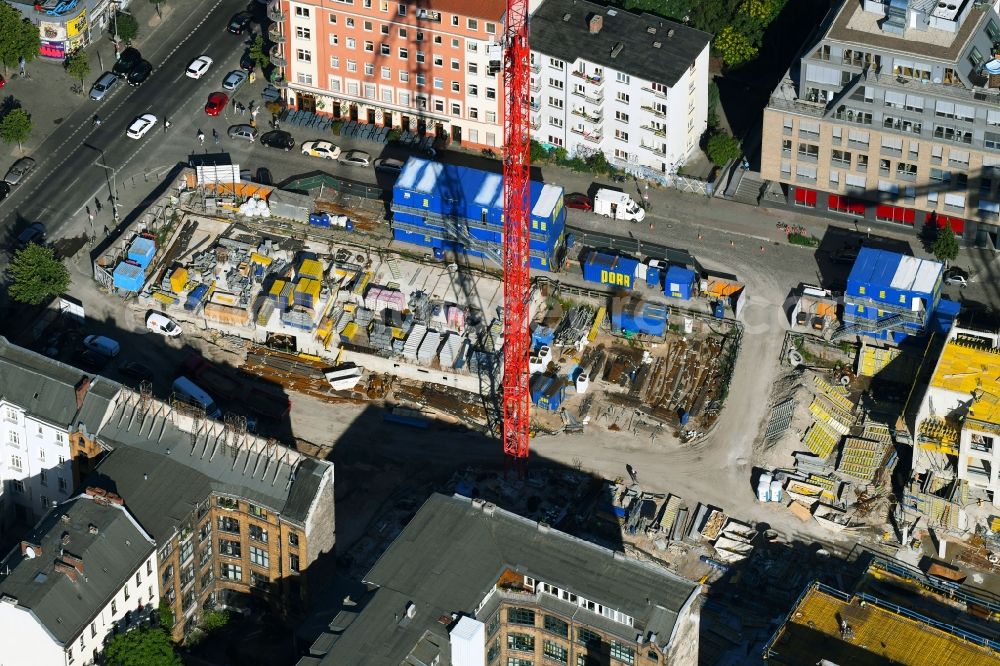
pixel 542 335
pixel 684 417
pixel 570 240
pixel 319 220
pixel 142 251
pixel 539 384
pixel 610 269
pixel 128 276
pixel 653 276
pixel 196 296
pixel 719 310
pixel 438 254
pixel 644 318
pixel 679 283
pixel 349 225
pixel 405 419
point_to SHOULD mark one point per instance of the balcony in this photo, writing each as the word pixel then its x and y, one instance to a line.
pixel 536 86
pixel 658 131
pixel 588 98
pixel 275 35
pixel 595 81
pixel 274 12
pixel 659 113
pixel 277 59
pixel 428 15
pixel 536 67
pixel 278 80
pixel 592 117
pixel 662 152
pixel 589 135
pixel 536 123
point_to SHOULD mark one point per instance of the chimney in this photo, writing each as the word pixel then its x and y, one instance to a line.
pixel 69 570
pixel 82 387
pixel 102 496
pixel 595 23
pixel 73 561
pixel 92 528
pixel 36 550
pixel 65 539
pixel 411 609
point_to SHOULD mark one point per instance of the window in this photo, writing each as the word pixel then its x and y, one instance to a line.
pixel 472 24
pixel 554 102
pixel 622 652
pixel 11 415
pixel 491 93
pixel 403 54
pixel 351 43
pixel 259 557
pixel 334 40
pixel 455 65
pixel 352 66
pixel 454 44
pixel 401 9
pixel 333 18
pixel 349 22
pixel 227 524
pixel 456 87
pixel 384 29
pixel 369 69
pixel 621 135
pixel 385 49
pixel 520 642
pixel 420 36
pixel 14 438
pixel 334 62
pixel 125 592
pixel 956 201
pixel 303 33
pixel 524 616
pixel 438 83
pixel 517 661
pixel 555 651
pixel 302 11
pixel 622 97
pixel 114 607
pixel 557 64
pixel 302 55
pixel 975 57
pixel 15 462
pixel 44 501
pixel 438 39
pixel 493 624
pixel 438 61
pixel 808 151
pixel 367 26
pixel 491 28
pixel 454 20
pixel 387 74
pixel 230 548
pixel 473 90
pixel 456 109
pixel 421 80
pixel 293 563
pixel 588 638
pixel 44 477
pixel 402 33
pixel 404 76
pixel 439 106
pixel 473 68
pixel 258 533
pixel 555 625
pixel 229 571
pixel 555 121
pixel 369 47
pixel 621 116
pixel 841 157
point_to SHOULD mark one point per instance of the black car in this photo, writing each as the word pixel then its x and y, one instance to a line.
pixel 140 73
pixel 137 371
pixel 239 23
pixel 263 176
pixel 127 61
pixel 91 361
pixel 4 190
pixel 246 62
pixel 33 234
pixel 278 139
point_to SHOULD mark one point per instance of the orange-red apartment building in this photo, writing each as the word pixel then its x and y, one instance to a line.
pixel 429 66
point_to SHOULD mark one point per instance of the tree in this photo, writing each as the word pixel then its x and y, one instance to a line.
pixel 15 127
pixel 124 27
pixel 945 246
pixel 258 54
pixel 36 275
pixel 734 47
pixel 141 647
pixel 723 148
pixel 214 620
pixel 78 65
pixel 166 615
pixel 19 38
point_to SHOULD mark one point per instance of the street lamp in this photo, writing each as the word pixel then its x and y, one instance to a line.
pixel 113 189
pixel 114 17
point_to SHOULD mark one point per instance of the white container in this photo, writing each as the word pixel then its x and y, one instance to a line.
pixel 545 354
pixel 535 365
pixel 763 490
pixel 582 382
pixel 776 491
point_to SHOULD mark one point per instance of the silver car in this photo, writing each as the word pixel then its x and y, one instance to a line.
pixel 234 80
pixel 19 171
pixel 356 158
pixel 103 86
pixel 243 132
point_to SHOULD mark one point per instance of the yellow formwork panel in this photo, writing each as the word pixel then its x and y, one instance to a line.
pixel 835 396
pixel 821 439
pixel 824 412
pixel 601 313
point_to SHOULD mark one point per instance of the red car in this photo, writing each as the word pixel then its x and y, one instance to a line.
pixel 578 201
pixel 216 103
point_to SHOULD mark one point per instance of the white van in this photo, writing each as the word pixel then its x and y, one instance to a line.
pixel 618 206
pixel 187 389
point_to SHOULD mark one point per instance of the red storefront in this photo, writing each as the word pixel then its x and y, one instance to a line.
pixel 805 198
pixel 957 224
pixel 846 205
pixel 897 214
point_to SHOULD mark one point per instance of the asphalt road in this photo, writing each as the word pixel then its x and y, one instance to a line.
pixel 68 175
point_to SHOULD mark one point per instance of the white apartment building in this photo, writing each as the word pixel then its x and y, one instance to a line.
pixel 44 406
pixel 633 86
pixel 85 569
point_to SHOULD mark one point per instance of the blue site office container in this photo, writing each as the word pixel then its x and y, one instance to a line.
pixel 644 318
pixel 128 276
pixel 719 309
pixel 142 250
pixel 610 269
pixel 679 283
pixel 196 296
pixel 547 392
pixel 653 276
pixel 542 335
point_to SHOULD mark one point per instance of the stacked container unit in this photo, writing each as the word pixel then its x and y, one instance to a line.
pixel 142 250
pixel 380 299
pixel 428 349
pixel 413 341
pixel 610 269
pixel 547 392
pixel 310 269
pixel 900 291
pixel 644 318
pixel 679 283
pixel 128 276
pixel 452 350
pixel 429 198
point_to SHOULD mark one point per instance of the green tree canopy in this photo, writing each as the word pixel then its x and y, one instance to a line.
pixel 19 38
pixel 36 275
pixel 258 54
pixel 213 620
pixel 142 647
pixel 15 127
pixel 945 247
pixel 127 26
pixel 722 148
pixel 78 65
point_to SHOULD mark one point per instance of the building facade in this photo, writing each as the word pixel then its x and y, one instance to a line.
pixel 66 25
pixel 87 570
pixel 429 67
pixel 239 521
pixel 509 591
pixel 48 414
pixel 632 86
pixel 891 116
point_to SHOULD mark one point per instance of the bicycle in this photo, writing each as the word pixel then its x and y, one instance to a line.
pixel 77 89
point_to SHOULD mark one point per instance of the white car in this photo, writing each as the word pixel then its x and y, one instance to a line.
pixel 198 67
pixel 234 79
pixel 323 149
pixel 140 126
pixel 162 324
pixel 356 158
pixel 956 279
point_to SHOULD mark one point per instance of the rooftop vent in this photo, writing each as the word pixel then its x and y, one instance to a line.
pixel 64 518
pixel 657 45
pixel 65 538
pixel 670 33
pixel 73 561
pixel 651 30
pixel 612 12
pixel 595 23
pixel 411 609
pixel 30 550
pixel 567 16
pixel 444 620
pixel 92 528
pixel 102 496
pixel 616 49
pixel 68 569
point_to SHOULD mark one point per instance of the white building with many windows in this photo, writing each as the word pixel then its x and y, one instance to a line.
pixel 87 569
pixel 44 406
pixel 633 86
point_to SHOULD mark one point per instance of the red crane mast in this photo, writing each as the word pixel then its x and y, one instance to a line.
pixel 517 217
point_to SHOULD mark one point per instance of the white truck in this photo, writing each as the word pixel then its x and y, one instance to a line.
pixel 617 206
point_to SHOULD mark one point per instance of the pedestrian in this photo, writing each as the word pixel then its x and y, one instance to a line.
pixel 166 124
pixel 106 230
pixel 97 202
pixel 91 216
pixel 201 137
pixel 88 210
pixel 235 104
pixel 215 136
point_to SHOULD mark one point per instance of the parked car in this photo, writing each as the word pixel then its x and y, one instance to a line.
pixel 323 149
pixel 216 103
pixel 278 139
pixel 135 370
pixel 239 23
pixel 33 234
pixel 246 62
pixel 198 67
pixel 263 176
pixel 92 361
pixel 358 158
pixel 956 276
pixel 234 79
pixel 19 171
pixel 102 344
pixel 104 85
pixel 161 323
pixel 127 61
pixel 4 190
pixel 141 72
pixel 140 126
pixel 245 132
pixel 389 165
pixel 578 201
